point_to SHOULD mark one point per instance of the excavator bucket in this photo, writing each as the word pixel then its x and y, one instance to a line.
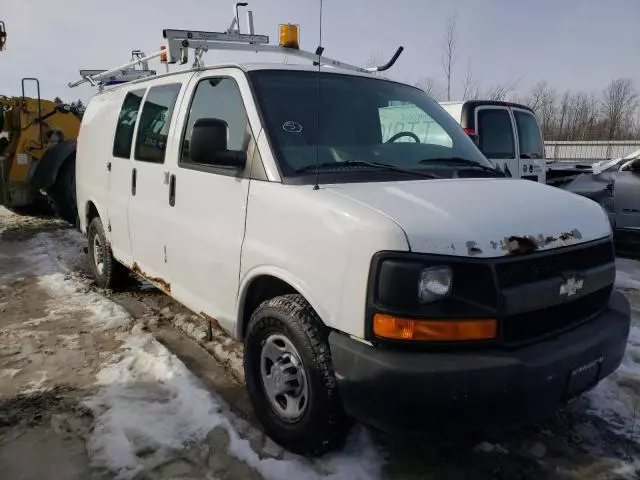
pixel 3 36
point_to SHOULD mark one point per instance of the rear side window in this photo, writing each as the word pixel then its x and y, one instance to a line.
pixel 155 120
pixel 126 124
pixel 218 98
pixel 496 133
pixel 529 136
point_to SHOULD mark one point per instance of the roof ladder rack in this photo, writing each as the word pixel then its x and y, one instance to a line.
pixel 178 43
pixel 123 73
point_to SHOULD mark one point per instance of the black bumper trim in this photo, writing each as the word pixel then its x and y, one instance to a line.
pixel 487 390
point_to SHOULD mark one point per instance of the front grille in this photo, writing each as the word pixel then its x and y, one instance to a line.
pixel 522 270
pixel 529 326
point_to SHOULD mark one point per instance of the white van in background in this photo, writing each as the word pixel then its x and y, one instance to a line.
pixel 508 134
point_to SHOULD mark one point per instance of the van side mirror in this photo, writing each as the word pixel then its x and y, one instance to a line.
pixel 208 145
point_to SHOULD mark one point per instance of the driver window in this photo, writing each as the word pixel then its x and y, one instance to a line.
pixel 407 118
pixel 218 97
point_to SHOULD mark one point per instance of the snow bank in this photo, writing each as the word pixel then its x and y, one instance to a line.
pixel 150 402
pixel 149 406
pixel 72 295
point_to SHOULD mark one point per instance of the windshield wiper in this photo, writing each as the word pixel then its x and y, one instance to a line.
pixel 462 162
pixel 362 163
pixel 533 156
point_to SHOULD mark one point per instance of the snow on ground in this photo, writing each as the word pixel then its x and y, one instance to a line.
pixel 628 273
pixel 617 398
pixel 149 400
pixel 149 406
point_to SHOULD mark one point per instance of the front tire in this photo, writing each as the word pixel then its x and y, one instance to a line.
pixel 290 377
pixel 107 271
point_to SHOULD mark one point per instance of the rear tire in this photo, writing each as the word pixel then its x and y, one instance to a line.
pixel 107 271
pixel 286 349
pixel 63 192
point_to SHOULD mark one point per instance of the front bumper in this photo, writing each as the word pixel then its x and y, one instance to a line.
pixel 478 390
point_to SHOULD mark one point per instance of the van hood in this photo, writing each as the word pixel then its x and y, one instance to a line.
pixel 482 217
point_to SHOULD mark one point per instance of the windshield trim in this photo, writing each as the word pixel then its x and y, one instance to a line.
pixel 359 176
pixel 330 177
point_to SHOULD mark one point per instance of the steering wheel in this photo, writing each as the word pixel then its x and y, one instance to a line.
pixel 403 134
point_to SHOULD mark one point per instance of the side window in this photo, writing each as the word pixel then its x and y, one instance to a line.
pixel 496 133
pixel 126 124
pixel 407 117
pixel 530 138
pixel 151 141
pixel 217 98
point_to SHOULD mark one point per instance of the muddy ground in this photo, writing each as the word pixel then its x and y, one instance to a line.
pixel 98 385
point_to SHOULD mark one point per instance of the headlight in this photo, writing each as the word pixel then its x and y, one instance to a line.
pixel 434 283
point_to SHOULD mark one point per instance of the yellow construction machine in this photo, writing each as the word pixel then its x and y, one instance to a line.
pixel 37 152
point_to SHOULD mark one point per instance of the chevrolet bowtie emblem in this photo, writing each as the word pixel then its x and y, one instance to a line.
pixel 571 286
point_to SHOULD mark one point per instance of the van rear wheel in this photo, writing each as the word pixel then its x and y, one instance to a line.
pixel 290 377
pixel 107 271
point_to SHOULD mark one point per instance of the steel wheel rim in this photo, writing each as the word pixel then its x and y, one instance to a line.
pixel 98 254
pixel 283 378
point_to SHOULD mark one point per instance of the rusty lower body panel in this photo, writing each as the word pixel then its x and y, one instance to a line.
pixel 161 283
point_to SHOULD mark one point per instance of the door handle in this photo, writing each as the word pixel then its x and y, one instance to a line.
pixel 134 177
pixel 172 190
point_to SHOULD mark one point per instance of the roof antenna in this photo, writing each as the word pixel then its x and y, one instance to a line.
pixel 319 52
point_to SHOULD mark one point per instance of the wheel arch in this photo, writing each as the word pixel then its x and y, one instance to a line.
pixel 264 283
pixel 91 211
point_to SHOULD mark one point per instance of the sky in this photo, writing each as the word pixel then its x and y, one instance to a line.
pixel 571 44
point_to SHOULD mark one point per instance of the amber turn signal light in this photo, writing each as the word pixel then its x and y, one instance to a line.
pixel 397 328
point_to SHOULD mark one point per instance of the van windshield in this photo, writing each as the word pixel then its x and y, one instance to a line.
pixel 324 118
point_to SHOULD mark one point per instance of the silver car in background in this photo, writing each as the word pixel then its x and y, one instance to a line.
pixel 615 184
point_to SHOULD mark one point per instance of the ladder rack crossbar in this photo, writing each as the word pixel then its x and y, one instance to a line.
pixel 173 35
pixel 215 45
pixel 109 73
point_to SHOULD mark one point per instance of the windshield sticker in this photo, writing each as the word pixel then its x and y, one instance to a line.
pixel 292 127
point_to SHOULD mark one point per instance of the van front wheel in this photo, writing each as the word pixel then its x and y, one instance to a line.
pixel 107 271
pixel 290 377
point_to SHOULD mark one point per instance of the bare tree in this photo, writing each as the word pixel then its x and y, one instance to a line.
pixel 471 85
pixel 431 87
pixel 536 98
pixel 613 114
pixel 619 104
pixel 449 50
pixel 501 92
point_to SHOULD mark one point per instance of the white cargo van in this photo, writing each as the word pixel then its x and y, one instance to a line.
pixel 394 282
pixel 508 135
